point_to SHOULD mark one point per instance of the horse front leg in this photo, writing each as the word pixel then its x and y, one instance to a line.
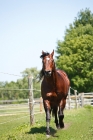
pixel 48 116
pixel 60 113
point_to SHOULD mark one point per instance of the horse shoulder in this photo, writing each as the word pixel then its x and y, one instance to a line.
pixel 64 76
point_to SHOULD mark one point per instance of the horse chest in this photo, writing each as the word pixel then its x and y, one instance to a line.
pixel 53 97
pixel 50 92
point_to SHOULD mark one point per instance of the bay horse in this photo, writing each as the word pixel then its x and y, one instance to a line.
pixel 54 90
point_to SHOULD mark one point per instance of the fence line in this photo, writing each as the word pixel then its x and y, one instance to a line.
pixel 72 104
pixel 16 113
pixel 10 74
pixel 71 99
pixel 19 89
pixel 72 88
pixel 12 89
pixel 74 101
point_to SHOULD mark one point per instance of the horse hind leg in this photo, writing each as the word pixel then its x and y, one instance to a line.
pixel 61 123
pixel 54 113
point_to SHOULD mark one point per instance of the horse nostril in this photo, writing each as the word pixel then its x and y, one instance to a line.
pixel 48 72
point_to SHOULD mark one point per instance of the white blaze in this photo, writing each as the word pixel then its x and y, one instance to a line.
pixel 47 58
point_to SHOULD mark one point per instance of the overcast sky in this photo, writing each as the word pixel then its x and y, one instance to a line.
pixel 29 26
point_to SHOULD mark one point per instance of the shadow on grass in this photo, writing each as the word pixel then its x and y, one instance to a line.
pixel 42 130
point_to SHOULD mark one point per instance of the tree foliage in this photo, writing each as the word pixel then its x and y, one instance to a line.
pixel 75 52
pixel 20 84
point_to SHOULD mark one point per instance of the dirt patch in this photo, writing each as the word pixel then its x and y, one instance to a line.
pixel 66 126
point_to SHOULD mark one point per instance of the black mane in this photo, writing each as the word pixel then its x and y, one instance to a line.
pixel 44 54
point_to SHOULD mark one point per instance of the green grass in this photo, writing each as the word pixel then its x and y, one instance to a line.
pixel 16 109
pixel 78 126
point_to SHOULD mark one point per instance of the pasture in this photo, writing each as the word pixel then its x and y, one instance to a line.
pixel 78 126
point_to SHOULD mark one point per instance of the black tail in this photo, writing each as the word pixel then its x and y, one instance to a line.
pixel 54 111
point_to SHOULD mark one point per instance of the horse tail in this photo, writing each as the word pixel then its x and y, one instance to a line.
pixel 53 113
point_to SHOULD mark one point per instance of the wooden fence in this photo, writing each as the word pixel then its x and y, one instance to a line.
pixel 73 101
pixel 76 101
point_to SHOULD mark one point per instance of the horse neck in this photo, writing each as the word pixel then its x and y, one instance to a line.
pixel 54 75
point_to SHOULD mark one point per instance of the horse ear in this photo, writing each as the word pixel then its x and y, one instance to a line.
pixel 42 52
pixel 52 53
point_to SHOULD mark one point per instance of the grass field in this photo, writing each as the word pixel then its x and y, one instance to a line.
pixel 78 126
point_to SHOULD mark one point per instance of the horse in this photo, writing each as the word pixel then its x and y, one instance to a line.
pixel 54 90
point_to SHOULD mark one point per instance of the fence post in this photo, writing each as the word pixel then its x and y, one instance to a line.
pixel 75 91
pixel 31 101
pixel 69 99
pixel 82 99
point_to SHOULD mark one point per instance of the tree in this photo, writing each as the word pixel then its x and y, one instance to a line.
pixel 30 72
pixel 24 82
pixel 20 84
pixel 75 52
pixel 2 84
pixel 10 94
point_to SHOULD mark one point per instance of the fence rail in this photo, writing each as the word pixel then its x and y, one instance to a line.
pixel 75 101
pixel 10 107
pixel 13 101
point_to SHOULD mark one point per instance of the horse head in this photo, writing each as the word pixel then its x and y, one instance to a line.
pixel 48 63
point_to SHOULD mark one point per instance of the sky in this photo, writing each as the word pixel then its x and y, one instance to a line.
pixel 29 26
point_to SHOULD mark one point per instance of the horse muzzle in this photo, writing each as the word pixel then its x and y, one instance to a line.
pixel 48 73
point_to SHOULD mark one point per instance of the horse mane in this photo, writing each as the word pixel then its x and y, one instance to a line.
pixel 44 54
pixel 41 74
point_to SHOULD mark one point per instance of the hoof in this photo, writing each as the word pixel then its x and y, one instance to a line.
pixel 48 136
pixel 62 125
pixel 47 132
pixel 58 126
